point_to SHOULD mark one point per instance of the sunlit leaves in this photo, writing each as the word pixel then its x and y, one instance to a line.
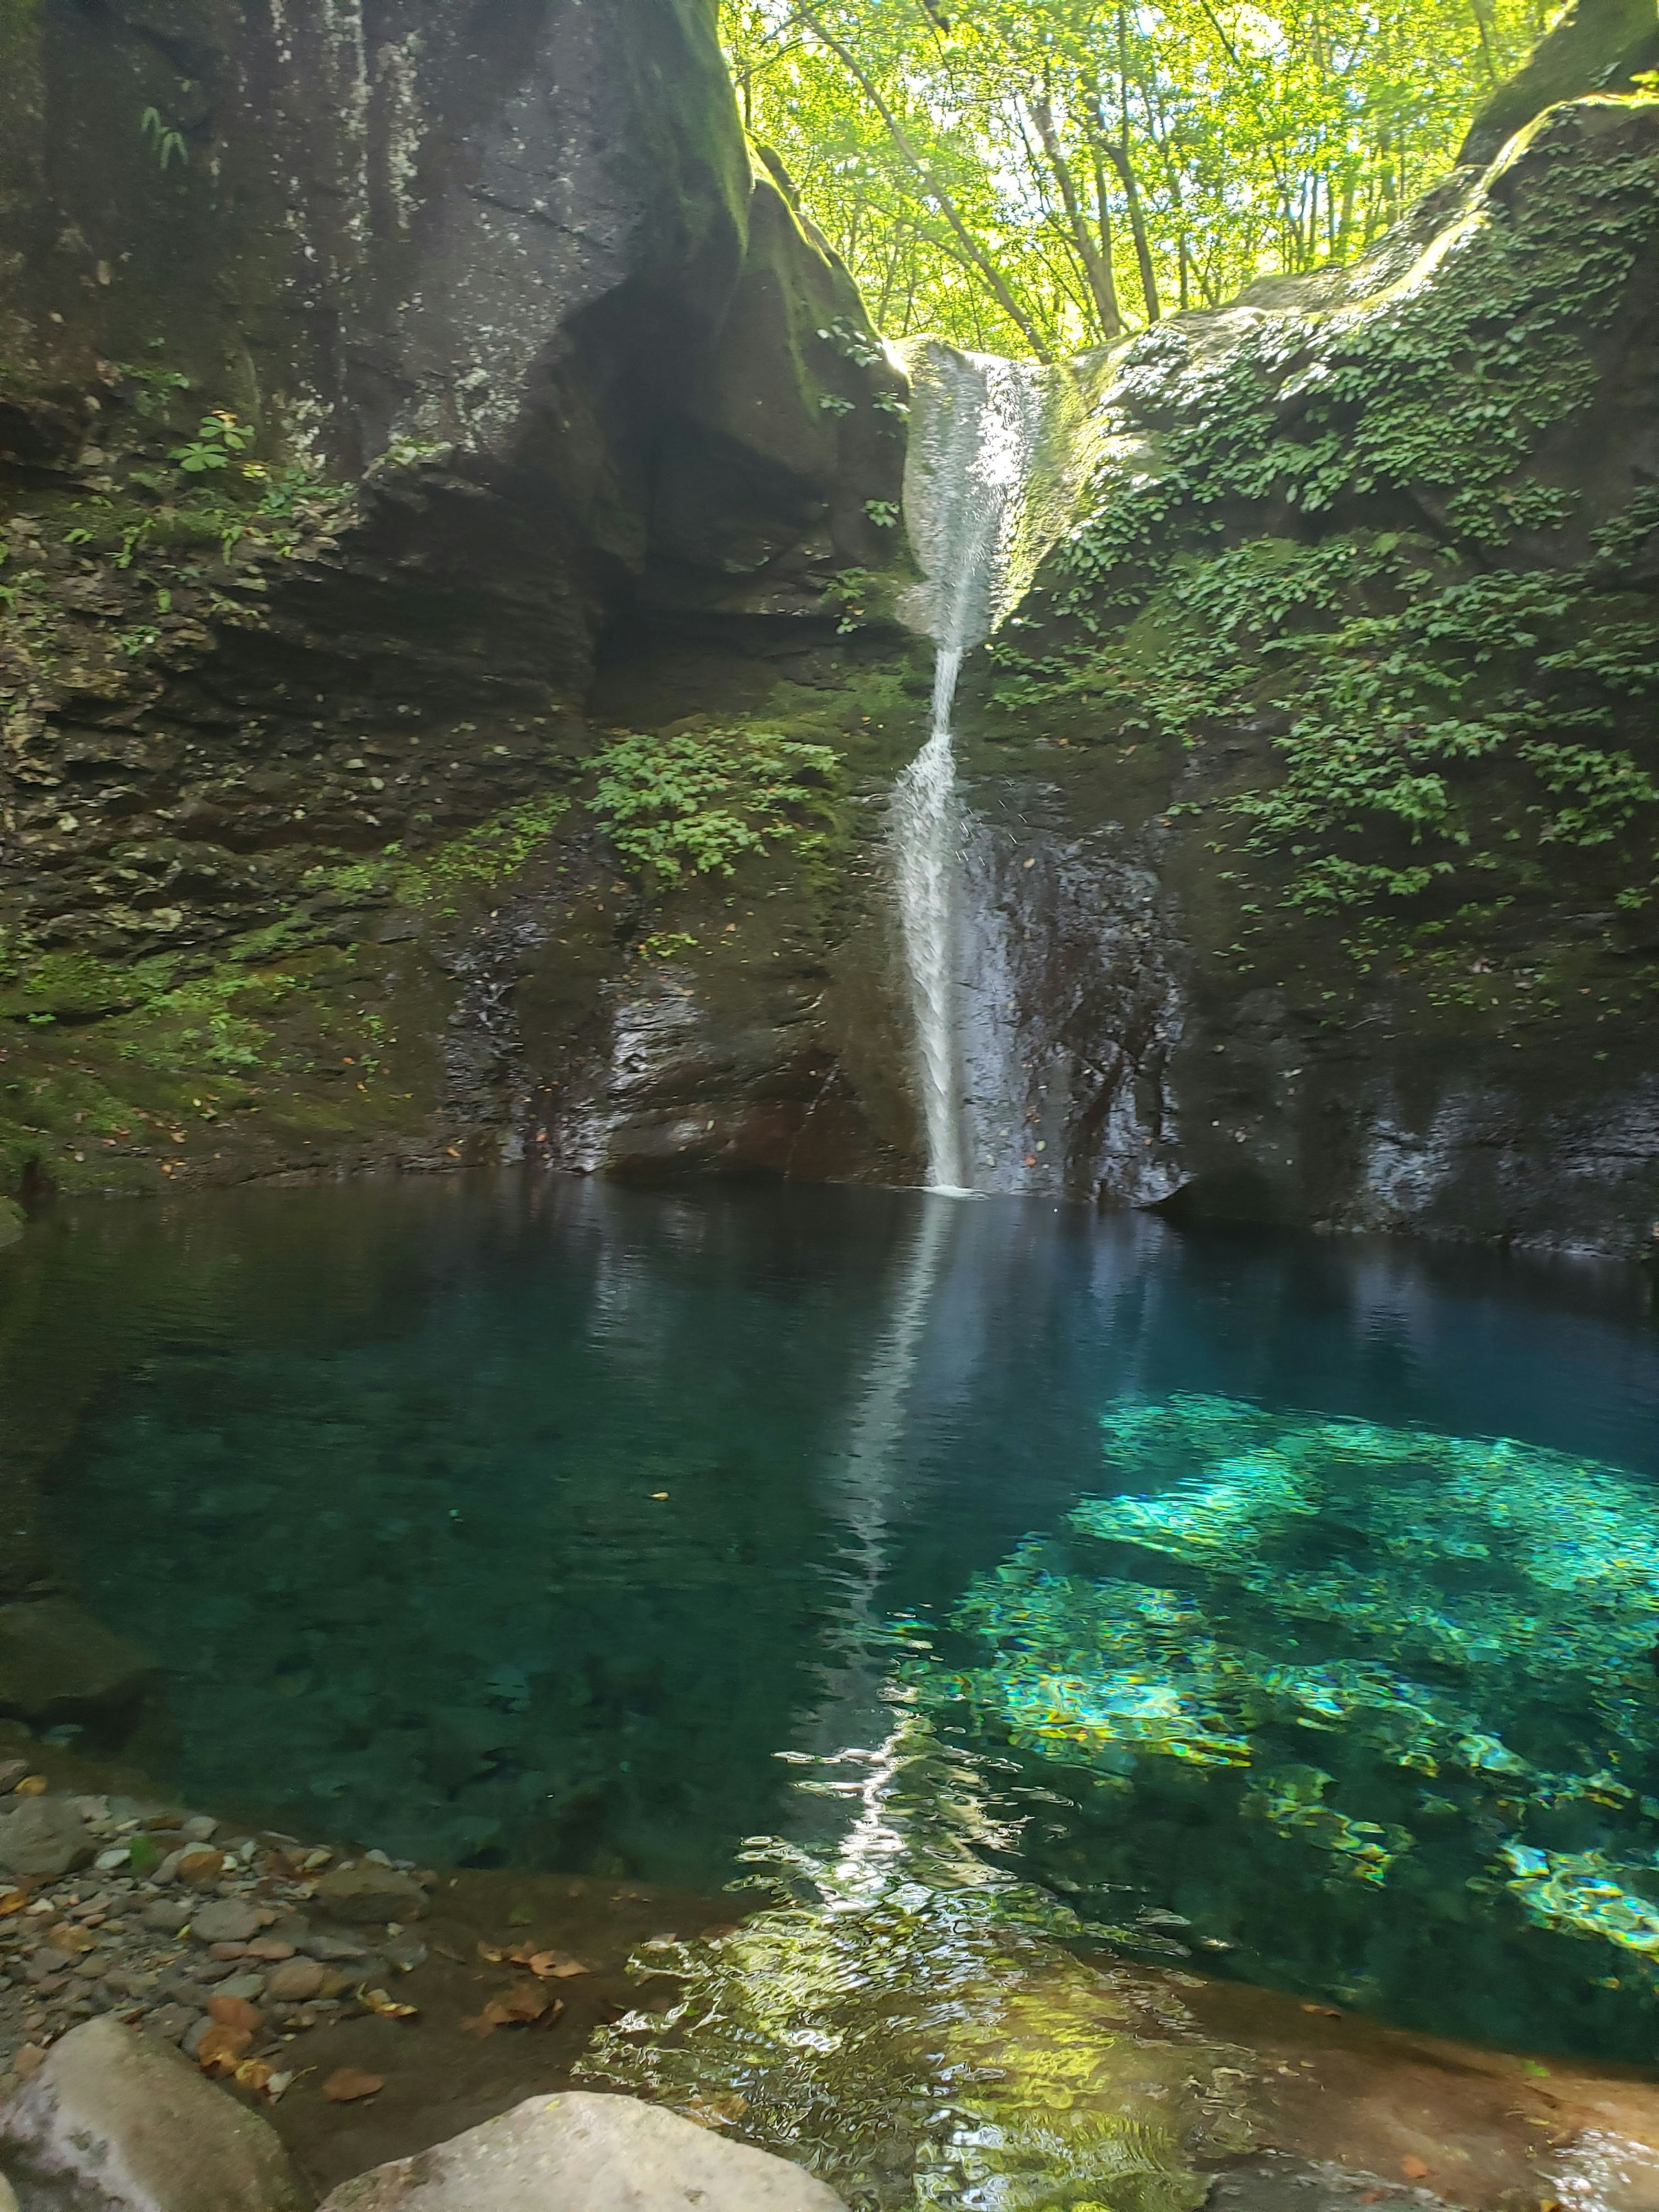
pixel 1046 173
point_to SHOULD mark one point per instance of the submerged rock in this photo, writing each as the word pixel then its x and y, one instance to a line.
pixel 122 2121
pixel 58 1664
pixel 370 1893
pixel 599 2154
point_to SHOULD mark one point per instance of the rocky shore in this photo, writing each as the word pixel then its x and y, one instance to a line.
pixel 228 1945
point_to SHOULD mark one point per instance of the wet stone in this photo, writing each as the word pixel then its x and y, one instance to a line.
pixel 369 1893
pixel 294 1981
pixel 228 1921
pixel 43 1836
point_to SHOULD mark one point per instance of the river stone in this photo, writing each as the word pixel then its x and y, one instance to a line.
pixel 58 1664
pixel 43 1836
pixel 227 1921
pixel 369 1893
pixel 582 2153
pixel 294 1981
pixel 133 2127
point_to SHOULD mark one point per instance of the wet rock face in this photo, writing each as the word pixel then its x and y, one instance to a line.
pixel 1301 595
pixel 511 282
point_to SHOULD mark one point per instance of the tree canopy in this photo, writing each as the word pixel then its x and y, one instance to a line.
pixel 1033 177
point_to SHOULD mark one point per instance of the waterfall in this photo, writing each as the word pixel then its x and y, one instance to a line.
pixel 997 450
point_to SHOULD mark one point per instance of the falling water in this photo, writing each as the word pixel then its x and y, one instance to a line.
pixel 995 455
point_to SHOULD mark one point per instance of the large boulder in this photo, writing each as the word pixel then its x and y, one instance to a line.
pixel 43 1836
pixel 597 2154
pixel 117 2122
pixel 58 1664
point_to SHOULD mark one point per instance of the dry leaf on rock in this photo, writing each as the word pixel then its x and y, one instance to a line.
pixel 387 2007
pixel 253 2074
pixel 348 2083
pixel 12 1900
pixel 32 1785
pixel 66 1936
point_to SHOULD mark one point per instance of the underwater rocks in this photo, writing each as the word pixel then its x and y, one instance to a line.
pixel 122 2124
pixel 585 2154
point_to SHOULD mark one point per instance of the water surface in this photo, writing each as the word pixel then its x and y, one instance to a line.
pixel 529 1522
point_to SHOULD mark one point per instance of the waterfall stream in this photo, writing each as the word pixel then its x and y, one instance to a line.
pixel 997 450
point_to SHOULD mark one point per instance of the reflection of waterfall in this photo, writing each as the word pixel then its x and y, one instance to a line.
pixel 862 1483
pixel 996 451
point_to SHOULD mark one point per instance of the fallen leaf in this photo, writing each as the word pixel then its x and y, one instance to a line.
pixel 717 2112
pixel 555 1965
pixel 346 2084
pixel 32 1785
pixel 12 1900
pixel 1325 2012
pixel 67 1937
pixel 235 2012
pixel 521 2005
pixel 388 2007
pixel 252 2074
pixel 1413 2168
pixel 278 2086
pixel 490 1955
pixel 223 2050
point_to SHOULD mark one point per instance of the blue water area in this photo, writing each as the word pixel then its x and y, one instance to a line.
pixel 1294 1596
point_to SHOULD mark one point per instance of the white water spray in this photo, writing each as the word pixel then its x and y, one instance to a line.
pixel 993 462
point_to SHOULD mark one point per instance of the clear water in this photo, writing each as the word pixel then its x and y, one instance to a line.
pixel 548 1523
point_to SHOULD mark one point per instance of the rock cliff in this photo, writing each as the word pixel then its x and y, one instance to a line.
pixel 451 686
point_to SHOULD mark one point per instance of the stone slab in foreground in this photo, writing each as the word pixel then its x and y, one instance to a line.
pixel 579 2153
pixel 117 2122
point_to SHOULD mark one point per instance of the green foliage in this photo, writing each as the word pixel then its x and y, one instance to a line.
pixel 219 438
pixel 167 145
pixel 693 802
pixel 1036 176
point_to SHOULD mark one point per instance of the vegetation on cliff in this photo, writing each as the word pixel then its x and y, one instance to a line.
pixel 1370 521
